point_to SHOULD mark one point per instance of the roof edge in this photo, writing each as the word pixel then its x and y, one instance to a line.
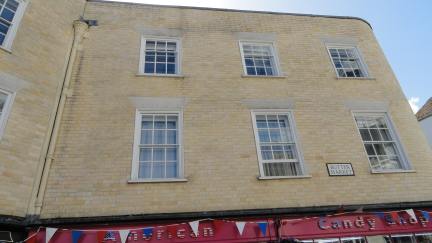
pixel 234 10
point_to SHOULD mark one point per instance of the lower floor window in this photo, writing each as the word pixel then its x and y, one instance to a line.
pixel 379 140
pixel 5 104
pixel 276 144
pixel 157 149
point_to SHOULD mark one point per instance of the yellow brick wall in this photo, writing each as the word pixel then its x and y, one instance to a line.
pixel 93 157
pixel 38 57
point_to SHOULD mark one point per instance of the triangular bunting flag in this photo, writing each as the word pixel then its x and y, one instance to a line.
pixel 100 236
pixel 147 232
pixel 123 235
pixel 425 215
pixel 263 227
pixel 49 232
pixel 240 227
pixel 194 225
pixel 76 235
pixel 411 213
pixel 380 215
pixel 395 216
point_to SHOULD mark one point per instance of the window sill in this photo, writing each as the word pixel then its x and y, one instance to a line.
pixel 160 75
pixel 262 76
pixel 356 78
pixel 8 50
pixel 283 177
pixel 136 181
pixel 393 171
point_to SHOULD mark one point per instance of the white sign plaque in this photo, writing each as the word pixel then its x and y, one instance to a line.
pixel 340 169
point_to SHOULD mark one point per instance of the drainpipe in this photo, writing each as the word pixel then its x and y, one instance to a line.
pixel 47 157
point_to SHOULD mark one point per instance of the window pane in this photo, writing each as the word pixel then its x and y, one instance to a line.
pixel 149 67
pixel 144 170
pixel 375 135
pixel 403 239
pixel 146 136
pixel 149 57
pixel 369 149
pixel 280 169
pixel 7 14
pixel 353 240
pixel 171 122
pixel 159 136
pixel 251 71
pixel 267 155
pixel 145 155
pixel 171 137
pixel 171 170
pixel 263 135
pixel 159 122
pixel 290 152
pixel 365 135
pixel 158 170
pixel 275 135
pixel 424 238
pixel 171 46
pixel 260 71
pixel 171 69
pixel 272 121
pixel 161 45
pixel 150 45
pixel 147 122
pixel 261 121
pixel 249 62
pixel 378 239
pixel 158 154
pixel 12 4
pixel 171 154
pixel 160 68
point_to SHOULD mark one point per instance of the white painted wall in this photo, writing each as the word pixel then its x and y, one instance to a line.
pixel 426 125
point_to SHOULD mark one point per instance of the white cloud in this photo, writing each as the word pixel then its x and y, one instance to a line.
pixel 414 103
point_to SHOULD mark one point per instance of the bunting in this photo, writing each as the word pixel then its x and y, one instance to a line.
pixel 148 232
pixel 123 235
pixel 49 233
pixel 194 226
pixel 411 213
pixel 263 227
pixel 76 235
pixel 425 215
pixel 240 227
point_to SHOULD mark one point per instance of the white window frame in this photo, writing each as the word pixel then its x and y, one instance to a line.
pixel 405 164
pixel 136 149
pixel 272 45
pixel 362 63
pixel 6 110
pixel 178 42
pixel 293 127
pixel 10 36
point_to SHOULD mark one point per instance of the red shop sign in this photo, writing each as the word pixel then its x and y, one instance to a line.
pixel 353 225
pixel 208 231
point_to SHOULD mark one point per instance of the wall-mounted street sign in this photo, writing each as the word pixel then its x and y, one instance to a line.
pixel 340 169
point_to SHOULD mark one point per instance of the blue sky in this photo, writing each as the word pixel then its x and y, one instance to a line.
pixel 403 28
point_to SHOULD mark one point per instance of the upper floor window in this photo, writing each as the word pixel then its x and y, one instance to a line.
pixel 11 12
pixel 277 148
pixel 5 104
pixel 347 62
pixel 259 59
pixel 380 142
pixel 157 149
pixel 160 57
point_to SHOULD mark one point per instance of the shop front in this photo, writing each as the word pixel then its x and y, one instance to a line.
pixel 404 226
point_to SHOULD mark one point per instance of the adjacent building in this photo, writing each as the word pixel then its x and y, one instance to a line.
pixel 146 123
pixel 424 116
